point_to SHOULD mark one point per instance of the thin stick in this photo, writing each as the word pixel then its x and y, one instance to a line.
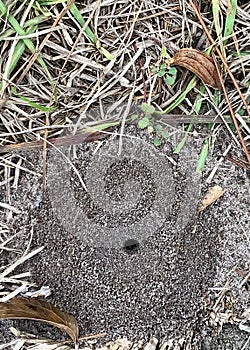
pixel 88 337
pixel 58 141
pixel 243 143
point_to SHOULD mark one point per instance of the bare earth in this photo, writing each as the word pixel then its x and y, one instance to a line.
pixel 169 284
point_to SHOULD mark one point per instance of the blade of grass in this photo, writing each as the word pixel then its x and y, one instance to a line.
pixel 20 31
pixel 197 108
pixel 18 52
pixel 52 2
pixel 89 33
pixel 203 157
pixel 205 149
pixel 218 29
pixel 242 53
pixel 101 127
pixel 78 16
pixel 37 53
pixel 181 144
pixel 31 22
pixel 181 97
pixel 230 18
pixel 33 104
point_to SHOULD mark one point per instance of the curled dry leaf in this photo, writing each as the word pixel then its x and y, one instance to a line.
pixel 212 195
pixel 200 64
pixel 40 310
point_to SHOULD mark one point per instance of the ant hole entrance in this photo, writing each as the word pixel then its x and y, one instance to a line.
pixel 131 246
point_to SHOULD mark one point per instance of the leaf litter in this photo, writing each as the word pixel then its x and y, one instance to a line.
pixel 213 193
pixel 40 310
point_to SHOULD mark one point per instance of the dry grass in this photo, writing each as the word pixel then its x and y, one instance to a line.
pixel 78 77
pixel 85 75
pixel 134 34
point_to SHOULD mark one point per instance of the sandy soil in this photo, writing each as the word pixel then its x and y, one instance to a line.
pixel 185 264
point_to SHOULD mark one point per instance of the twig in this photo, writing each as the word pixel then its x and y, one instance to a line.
pixel 58 141
pixel 239 162
pixel 88 337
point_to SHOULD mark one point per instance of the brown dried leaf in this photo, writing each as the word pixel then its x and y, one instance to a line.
pixel 200 64
pixel 40 310
pixel 212 195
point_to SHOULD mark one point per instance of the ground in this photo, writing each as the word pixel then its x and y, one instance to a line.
pixel 129 173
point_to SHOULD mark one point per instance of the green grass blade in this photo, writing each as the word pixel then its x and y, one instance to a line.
pixel 197 108
pixel 105 52
pixel 18 52
pixel 182 96
pixel 242 53
pixel 205 149
pixel 216 11
pixel 33 104
pixel 181 144
pixel 78 16
pixel 36 20
pixel 203 157
pixel 218 29
pixel 51 2
pixel 199 101
pixel 102 127
pixel 230 18
pixel 14 23
pixel 31 22
pixel 92 37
